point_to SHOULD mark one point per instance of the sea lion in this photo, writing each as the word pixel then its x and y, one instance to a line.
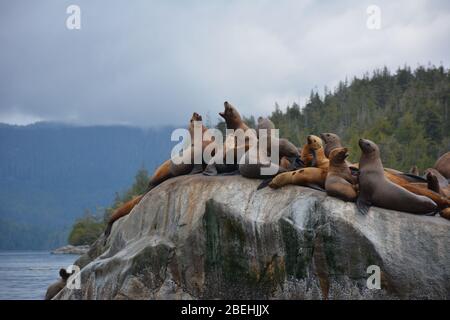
pixel 254 170
pixel 340 182
pixel 308 177
pixel 231 146
pixel 331 141
pixel 422 190
pixel 264 124
pixel 409 182
pixel 164 172
pixel 56 287
pixel 185 163
pixel 287 153
pixel 232 117
pixel 313 153
pixel 285 147
pixel 375 189
pixel 443 165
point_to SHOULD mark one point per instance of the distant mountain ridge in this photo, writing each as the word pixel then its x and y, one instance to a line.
pixel 51 172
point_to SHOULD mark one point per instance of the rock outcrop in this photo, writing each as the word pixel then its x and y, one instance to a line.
pixel 197 237
pixel 70 249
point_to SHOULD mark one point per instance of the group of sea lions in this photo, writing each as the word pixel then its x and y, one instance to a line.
pixel 320 164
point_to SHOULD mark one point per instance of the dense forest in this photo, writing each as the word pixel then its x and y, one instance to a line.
pixel 406 113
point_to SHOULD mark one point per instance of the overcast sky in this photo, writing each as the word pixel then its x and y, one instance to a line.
pixel 151 63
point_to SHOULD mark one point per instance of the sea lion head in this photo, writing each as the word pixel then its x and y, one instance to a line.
pixel 332 141
pixel 338 155
pixel 369 148
pixel 196 117
pixel 231 116
pixel 329 137
pixel 64 274
pixel 314 142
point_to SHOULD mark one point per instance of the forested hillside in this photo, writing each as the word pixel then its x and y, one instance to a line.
pixel 407 113
pixel 51 173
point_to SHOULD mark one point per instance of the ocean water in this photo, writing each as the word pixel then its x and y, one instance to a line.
pixel 25 275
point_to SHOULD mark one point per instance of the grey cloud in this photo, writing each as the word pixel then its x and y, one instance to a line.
pixel 152 63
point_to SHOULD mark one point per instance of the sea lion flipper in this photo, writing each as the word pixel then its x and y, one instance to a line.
pixel 314 186
pixel 264 184
pixel 363 206
pixel 296 163
pixel 314 159
pixel 413 178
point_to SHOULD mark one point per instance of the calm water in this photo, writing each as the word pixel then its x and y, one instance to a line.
pixel 26 275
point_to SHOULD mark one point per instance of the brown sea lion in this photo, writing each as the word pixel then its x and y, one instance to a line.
pixel 164 172
pixel 56 287
pixel 331 141
pixel 308 177
pixel 231 146
pixel 264 124
pixel 419 188
pixel 340 183
pixel 376 190
pixel 443 165
pixel 441 201
pixel 285 147
pixel 313 154
pixel 232 118
pixel 253 170
pixel 285 163
pixel 185 163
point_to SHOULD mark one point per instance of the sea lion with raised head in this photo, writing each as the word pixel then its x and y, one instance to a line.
pixel 340 182
pixel 264 124
pixel 443 165
pixel 331 141
pixel 285 147
pixel 376 190
pixel 231 146
pixel 164 172
pixel 313 154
